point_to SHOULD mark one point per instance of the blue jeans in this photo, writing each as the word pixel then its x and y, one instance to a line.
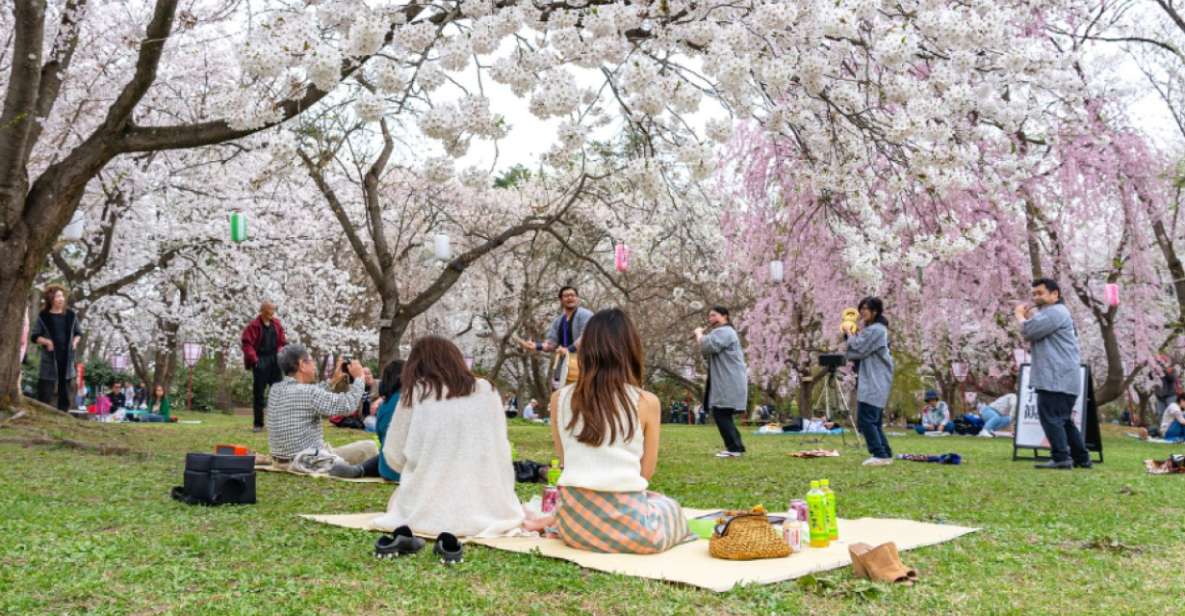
pixel 993 420
pixel 869 419
pixel 1176 432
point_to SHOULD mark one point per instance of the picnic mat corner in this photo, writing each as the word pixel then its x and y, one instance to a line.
pixel 690 563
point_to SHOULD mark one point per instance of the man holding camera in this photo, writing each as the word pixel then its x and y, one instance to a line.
pixel 297 405
pixel 262 340
pixel 1056 373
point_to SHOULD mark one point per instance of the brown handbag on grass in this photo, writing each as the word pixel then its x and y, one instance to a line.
pixel 746 535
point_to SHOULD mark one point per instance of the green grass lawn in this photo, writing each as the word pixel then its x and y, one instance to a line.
pixel 82 532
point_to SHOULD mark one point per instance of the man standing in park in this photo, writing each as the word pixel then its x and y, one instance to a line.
pixel 262 341
pixel 564 333
pixel 727 389
pixel 1056 373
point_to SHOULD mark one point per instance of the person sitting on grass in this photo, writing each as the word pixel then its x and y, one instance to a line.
pixel 297 405
pixel 997 416
pixel 159 408
pixel 390 387
pixel 1172 423
pixel 606 435
pixel 448 442
pixel 118 398
pixel 935 415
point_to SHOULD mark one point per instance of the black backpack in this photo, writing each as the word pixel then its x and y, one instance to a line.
pixel 212 479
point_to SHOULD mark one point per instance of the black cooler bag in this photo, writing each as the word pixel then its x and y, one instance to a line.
pixel 212 479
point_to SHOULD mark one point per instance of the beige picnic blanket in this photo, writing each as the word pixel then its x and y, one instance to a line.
pixel 690 563
pixel 283 468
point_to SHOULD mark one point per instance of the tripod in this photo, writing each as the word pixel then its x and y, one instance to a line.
pixel 833 397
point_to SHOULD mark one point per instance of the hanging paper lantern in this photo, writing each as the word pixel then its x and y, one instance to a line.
pixel 238 227
pixel 1021 357
pixel 1111 294
pixel 73 231
pixel 777 271
pixel 441 247
pixel 959 370
pixel 621 257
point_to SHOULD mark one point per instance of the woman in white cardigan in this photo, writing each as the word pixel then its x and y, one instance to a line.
pixel 448 442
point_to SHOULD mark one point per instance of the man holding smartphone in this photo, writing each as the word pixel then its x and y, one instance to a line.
pixel 1056 373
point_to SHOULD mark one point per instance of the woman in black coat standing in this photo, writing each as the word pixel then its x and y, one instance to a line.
pixel 57 331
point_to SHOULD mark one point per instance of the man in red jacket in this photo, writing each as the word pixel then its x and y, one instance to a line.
pixel 262 340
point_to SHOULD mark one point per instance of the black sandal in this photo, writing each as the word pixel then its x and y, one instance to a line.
pixel 449 549
pixel 400 543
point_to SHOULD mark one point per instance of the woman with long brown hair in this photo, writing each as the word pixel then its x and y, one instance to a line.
pixel 449 444
pixel 606 430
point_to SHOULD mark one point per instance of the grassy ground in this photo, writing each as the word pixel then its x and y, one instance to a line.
pixel 84 532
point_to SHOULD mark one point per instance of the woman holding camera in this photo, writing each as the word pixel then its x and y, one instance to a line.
pixel 870 346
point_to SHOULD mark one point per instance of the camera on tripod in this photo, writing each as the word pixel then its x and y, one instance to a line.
pixel 832 361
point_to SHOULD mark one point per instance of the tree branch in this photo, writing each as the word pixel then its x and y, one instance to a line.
pixel 339 211
pixel 20 100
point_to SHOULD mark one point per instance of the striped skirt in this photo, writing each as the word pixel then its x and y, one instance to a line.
pixel 619 522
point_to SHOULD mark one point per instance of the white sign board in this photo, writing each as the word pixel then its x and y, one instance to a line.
pixel 1029 432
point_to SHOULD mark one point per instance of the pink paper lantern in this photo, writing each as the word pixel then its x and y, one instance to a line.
pixel 621 257
pixel 1111 294
pixel 959 370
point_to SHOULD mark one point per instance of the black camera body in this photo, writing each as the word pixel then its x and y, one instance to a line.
pixel 832 360
pixel 346 368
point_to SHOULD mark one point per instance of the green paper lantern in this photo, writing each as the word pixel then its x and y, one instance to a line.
pixel 238 227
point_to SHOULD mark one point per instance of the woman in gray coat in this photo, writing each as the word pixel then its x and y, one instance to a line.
pixel 57 332
pixel 727 390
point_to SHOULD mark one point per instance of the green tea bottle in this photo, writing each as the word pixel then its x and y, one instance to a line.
pixel 553 472
pixel 816 502
pixel 832 519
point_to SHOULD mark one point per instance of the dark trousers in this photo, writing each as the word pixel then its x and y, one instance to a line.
pixel 1055 410
pixel 265 374
pixel 46 387
pixel 370 468
pixel 869 420
pixel 728 429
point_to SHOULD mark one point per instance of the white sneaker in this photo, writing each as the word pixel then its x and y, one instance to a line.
pixel 985 434
pixel 726 454
pixel 871 462
pixel 878 461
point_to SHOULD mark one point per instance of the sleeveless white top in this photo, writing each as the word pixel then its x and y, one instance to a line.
pixel 615 467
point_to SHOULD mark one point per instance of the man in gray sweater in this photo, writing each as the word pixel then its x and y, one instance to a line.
pixel 1056 373
pixel 727 389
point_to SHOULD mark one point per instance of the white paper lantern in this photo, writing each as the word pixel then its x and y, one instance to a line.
pixel 777 272
pixel 73 231
pixel 441 247
pixel 959 370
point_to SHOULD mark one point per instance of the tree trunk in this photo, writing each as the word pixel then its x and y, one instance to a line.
pixel 222 387
pixel 1031 237
pixel 805 389
pixel 18 268
pixel 392 326
pixel 1112 386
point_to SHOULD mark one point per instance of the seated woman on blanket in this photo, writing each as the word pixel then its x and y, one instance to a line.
pixel 389 388
pixel 448 443
pixel 605 429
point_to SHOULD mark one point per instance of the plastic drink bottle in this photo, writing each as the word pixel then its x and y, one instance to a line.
pixel 832 519
pixel 554 472
pixel 551 493
pixel 817 502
